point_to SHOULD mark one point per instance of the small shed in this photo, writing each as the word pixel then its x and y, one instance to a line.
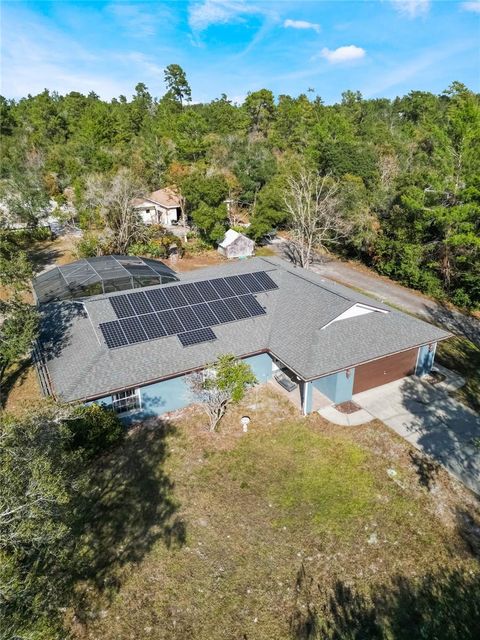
pixel 236 245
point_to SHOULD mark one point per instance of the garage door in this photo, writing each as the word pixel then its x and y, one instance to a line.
pixel 374 374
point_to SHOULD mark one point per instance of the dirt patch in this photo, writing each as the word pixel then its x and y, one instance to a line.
pixel 191 262
pixel 347 407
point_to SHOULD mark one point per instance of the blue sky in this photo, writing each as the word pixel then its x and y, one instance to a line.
pixel 380 47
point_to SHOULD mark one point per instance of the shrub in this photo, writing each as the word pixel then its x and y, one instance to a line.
pixel 95 430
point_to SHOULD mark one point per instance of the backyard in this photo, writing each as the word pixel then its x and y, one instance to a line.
pixel 296 529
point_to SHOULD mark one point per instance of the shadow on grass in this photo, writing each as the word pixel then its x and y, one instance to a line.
pixel 461 323
pixel 125 505
pixel 444 605
pixel 16 376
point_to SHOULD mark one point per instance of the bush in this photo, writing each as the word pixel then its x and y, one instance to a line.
pixel 90 245
pixel 95 430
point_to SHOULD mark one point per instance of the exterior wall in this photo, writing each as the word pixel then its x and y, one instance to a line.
pixel 148 215
pixel 240 248
pixel 170 395
pixel 337 386
pixel 306 394
pixel 157 214
pixel 262 366
pixel 426 356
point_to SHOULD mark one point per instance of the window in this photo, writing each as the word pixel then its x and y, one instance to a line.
pixel 126 400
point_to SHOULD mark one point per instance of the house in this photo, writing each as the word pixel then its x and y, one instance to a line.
pixel 133 350
pixel 163 206
pixel 236 245
pixel 101 274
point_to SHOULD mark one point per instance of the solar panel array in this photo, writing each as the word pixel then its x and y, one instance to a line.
pixel 188 310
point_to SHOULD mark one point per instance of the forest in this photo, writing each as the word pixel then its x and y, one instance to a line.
pixel 403 174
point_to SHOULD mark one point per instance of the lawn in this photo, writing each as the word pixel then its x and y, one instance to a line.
pixel 463 356
pixel 295 530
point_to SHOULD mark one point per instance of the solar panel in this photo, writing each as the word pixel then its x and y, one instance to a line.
pixel 188 318
pixel 113 334
pixel 140 303
pixel 170 321
pixel 221 311
pixel 206 315
pixel 252 283
pixel 152 326
pixel 158 299
pixel 133 330
pixel 253 305
pixel 207 291
pixel 122 306
pixel 196 337
pixel 237 308
pixel 175 297
pixel 222 287
pixel 147 315
pixel 191 293
pixel 265 280
pixel 237 285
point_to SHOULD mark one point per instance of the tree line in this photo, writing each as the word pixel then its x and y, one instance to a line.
pixel 400 178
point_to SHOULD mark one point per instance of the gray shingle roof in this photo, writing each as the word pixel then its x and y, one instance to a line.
pixel 80 365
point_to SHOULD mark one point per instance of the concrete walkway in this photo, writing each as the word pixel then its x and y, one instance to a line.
pixel 345 419
pixel 432 421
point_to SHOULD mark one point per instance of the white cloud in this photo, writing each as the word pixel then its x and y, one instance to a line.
pixel 302 24
pixel 141 20
pixel 412 8
pixel 471 6
pixel 208 12
pixel 348 53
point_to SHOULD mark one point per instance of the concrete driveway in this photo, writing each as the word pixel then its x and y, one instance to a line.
pixel 432 421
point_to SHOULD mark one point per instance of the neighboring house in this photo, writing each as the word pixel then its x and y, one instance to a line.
pixel 133 351
pixel 102 274
pixel 236 245
pixel 160 207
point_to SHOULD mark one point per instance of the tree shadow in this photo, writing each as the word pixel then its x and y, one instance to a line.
pixel 443 429
pixel 17 376
pixel 125 505
pixel 444 605
pixel 468 527
pixel 461 323
pixel 426 468
pixel 55 322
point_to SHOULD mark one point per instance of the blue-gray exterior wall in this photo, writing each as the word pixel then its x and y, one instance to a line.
pixel 337 386
pixel 173 394
pixel 426 356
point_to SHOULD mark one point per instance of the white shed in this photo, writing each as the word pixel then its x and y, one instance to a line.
pixel 236 245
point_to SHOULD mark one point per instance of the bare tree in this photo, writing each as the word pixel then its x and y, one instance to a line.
pixel 316 220
pixel 114 200
pixel 219 385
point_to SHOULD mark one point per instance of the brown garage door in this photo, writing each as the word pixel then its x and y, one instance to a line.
pixel 378 372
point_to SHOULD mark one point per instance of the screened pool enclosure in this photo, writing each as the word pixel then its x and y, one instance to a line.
pixel 103 274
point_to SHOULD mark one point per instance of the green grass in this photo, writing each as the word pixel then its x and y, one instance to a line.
pixel 461 355
pixel 293 467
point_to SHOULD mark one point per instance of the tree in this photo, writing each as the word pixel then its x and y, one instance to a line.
pixel 18 320
pixel 177 84
pixel 44 458
pixel 260 108
pixel 316 221
pixel 25 198
pixel 219 385
pixel 114 200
